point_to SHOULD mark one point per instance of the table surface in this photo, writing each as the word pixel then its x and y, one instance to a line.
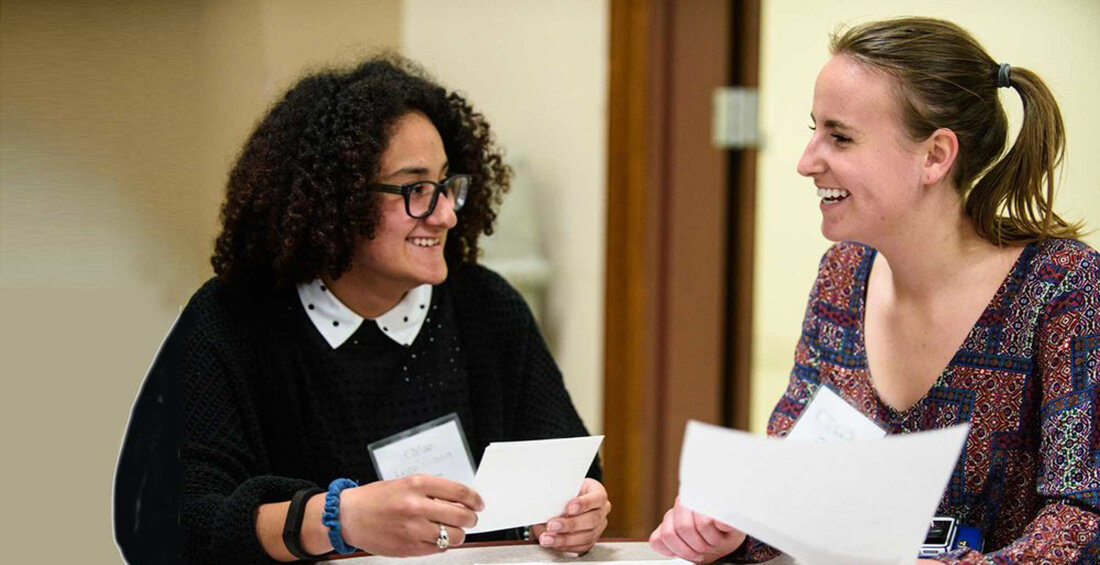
pixel 520 552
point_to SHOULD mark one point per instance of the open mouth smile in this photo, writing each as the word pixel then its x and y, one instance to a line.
pixel 424 241
pixel 832 195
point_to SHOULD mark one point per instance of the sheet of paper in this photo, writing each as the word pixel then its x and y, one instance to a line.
pixel 829 418
pixel 435 448
pixel 863 502
pixel 528 482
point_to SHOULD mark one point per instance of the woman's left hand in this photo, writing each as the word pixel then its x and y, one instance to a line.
pixel 580 527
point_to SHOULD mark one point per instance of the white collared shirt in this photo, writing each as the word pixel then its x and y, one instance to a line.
pixel 336 322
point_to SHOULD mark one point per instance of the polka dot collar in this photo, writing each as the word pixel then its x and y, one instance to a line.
pixel 336 322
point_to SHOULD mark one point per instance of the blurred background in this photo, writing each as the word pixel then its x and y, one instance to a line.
pixel 119 121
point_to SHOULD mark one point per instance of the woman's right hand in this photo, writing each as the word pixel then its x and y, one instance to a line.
pixel 694 537
pixel 401 517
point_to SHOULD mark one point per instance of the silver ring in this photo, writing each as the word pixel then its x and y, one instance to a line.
pixel 444 540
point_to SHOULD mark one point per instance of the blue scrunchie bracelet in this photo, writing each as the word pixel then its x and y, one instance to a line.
pixel 331 515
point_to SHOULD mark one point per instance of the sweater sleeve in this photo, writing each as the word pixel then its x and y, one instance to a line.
pixel 1067 343
pixel 225 471
pixel 528 393
pixel 548 411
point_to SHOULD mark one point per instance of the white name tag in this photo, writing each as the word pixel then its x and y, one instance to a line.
pixel 829 418
pixel 435 448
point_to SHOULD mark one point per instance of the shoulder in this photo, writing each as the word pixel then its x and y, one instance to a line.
pixel 219 312
pixel 213 296
pixel 1055 266
pixel 480 293
pixel 1055 256
pixel 844 267
pixel 844 255
pixel 1064 274
pixel 477 281
pixel 217 302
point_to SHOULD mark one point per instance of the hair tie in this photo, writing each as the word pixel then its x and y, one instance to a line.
pixel 331 516
pixel 1003 78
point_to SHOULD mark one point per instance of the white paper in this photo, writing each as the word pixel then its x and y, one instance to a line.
pixel 529 482
pixel 864 502
pixel 439 450
pixel 829 418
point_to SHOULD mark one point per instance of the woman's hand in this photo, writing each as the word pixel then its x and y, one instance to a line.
pixel 580 527
pixel 402 517
pixel 694 537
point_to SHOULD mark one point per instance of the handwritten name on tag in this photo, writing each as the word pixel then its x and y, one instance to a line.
pixel 829 418
pixel 435 448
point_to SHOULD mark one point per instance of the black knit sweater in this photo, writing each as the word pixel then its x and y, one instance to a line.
pixel 269 407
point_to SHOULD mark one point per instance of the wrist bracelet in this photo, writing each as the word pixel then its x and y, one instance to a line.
pixel 292 528
pixel 331 516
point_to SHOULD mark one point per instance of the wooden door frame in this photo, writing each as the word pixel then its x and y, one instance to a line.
pixel 675 292
pixel 630 408
pixel 744 72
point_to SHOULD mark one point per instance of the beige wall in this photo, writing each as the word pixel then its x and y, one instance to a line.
pixel 1056 39
pixel 118 122
pixel 538 71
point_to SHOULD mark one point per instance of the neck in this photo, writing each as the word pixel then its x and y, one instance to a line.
pixel 933 252
pixel 366 300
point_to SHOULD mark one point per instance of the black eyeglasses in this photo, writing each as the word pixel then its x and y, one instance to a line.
pixel 421 196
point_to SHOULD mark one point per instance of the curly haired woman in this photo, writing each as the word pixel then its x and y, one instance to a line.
pixel 348 306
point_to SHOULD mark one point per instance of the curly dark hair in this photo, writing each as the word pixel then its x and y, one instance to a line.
pixel 296 203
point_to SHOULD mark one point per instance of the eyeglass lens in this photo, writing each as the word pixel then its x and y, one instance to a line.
pixel 422 196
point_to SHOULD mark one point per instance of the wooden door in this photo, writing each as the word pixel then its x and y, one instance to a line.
pixel 679 241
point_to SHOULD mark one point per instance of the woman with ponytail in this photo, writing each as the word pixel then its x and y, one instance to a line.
pixel 955 293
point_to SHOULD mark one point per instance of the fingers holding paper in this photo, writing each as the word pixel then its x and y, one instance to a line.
pixel 582 524
pixel 694 537
pixel 404 516
pixel 458 495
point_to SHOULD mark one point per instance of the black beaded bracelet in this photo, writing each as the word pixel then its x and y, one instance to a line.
pixel 292 528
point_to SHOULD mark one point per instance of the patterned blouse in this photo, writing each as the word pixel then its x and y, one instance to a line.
pixel 1027 378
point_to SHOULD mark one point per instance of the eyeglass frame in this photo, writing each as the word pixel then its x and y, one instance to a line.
pixel 437 189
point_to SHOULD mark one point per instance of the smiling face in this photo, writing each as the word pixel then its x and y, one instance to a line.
pixel 867 171
pixel 406 252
